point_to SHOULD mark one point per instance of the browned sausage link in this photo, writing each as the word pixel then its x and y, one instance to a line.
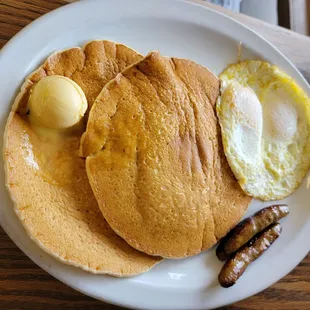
pixel 248 228
pixel 238 263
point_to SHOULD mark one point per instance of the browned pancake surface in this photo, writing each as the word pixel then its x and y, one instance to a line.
pixel 91 67
pixel 47 180
pixel 156 163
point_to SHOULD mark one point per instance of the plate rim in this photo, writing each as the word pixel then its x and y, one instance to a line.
pixel 115 300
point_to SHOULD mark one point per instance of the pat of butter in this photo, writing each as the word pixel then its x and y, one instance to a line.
pixel 57 102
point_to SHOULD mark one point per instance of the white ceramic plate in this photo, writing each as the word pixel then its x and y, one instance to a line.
pixel 178 29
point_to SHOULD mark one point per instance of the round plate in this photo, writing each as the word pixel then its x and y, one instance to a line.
pixel 175 28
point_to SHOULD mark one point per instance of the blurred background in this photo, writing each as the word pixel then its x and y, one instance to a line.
pixel 291 14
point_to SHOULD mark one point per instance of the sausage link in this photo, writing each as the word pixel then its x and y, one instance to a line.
pixel 248 228
pixel 238 263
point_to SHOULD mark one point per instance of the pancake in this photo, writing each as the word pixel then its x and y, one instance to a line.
pixel 47 179
pixel 91 68
pixel 155 160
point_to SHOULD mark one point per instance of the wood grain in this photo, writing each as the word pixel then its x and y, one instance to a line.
pixel 23 285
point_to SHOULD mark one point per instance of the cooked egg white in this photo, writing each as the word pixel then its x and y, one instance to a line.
pixel 265 122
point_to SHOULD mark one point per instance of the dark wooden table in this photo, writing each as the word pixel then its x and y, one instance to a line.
pixel 23 285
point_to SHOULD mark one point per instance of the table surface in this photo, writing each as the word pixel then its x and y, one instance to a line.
pixel 23 285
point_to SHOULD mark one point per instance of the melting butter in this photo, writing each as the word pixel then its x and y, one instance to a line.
pixel 27 151
pixel 54 153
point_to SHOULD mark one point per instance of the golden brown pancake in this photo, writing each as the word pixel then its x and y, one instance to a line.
pixel 47 180
pixel 155 160
pixel 91 67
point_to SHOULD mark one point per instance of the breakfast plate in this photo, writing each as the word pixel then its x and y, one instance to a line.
pixel 180 29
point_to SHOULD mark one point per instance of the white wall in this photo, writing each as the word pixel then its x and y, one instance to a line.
pixel 263 9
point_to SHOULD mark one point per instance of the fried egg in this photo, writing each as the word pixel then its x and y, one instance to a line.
pixel 265 122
